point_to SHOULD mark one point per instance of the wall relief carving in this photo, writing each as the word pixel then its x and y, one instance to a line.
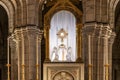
pixel 63 76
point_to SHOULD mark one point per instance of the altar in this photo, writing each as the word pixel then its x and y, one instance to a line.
pixel 63 71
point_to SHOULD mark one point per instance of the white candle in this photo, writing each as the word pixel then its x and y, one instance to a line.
pixel 37 58
pixel 22 49
pixel 8 50
pixel 23 64
pixel 89 50
pixel 106 50
pixel 37 50
pixel 17 49
pixel 8 65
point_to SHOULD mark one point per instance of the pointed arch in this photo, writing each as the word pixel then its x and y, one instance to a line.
pixel 10 12
pixel 112 6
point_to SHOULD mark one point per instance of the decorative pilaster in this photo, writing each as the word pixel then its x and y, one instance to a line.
pixel 46 35
pixel 79 42
pixel 110 43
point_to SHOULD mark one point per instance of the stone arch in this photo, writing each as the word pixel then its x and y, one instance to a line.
pixel 116 44
pixel 3 39
pixel 112 7
pixel 114 23
pixel 10 12
pixel 66 6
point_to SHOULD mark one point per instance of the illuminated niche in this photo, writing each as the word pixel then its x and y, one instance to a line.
pixel 62 41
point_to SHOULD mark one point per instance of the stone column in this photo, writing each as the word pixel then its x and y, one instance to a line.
pixel 95 48
pixel 33 56
pixel 16 55
pixel 13 53
pixel 105 56
pixel 28 51
pixel 87 32
pixel 110 45
pixel 18 39
pixel 105 35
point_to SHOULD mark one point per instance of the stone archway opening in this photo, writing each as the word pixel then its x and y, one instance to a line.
pixel 3 43
pixel 116 46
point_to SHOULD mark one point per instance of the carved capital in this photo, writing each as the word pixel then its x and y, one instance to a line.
pixel 112 37
pixel 97 30
pixel 12 40
pixel 106 31
pixel 102 30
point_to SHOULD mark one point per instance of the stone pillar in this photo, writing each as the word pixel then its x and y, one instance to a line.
pixel 87 32
pixel 110 43
pixel 107 40
pixel 17 38
pixel 95 48
pixel 14 58
pixel 28 45
pixel 38 56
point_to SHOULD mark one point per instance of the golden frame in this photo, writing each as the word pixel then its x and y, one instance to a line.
pixel 64 5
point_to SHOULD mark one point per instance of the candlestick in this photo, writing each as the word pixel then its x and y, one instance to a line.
pixel 37 64
pixel 37 50
pixel 8 65
pixel 106 71
pixel 23 64
pixel 90 71
pixel 8 50
pixel 17 49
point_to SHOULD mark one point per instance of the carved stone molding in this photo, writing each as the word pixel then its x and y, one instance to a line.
pixel 97 30
pixel 52 69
